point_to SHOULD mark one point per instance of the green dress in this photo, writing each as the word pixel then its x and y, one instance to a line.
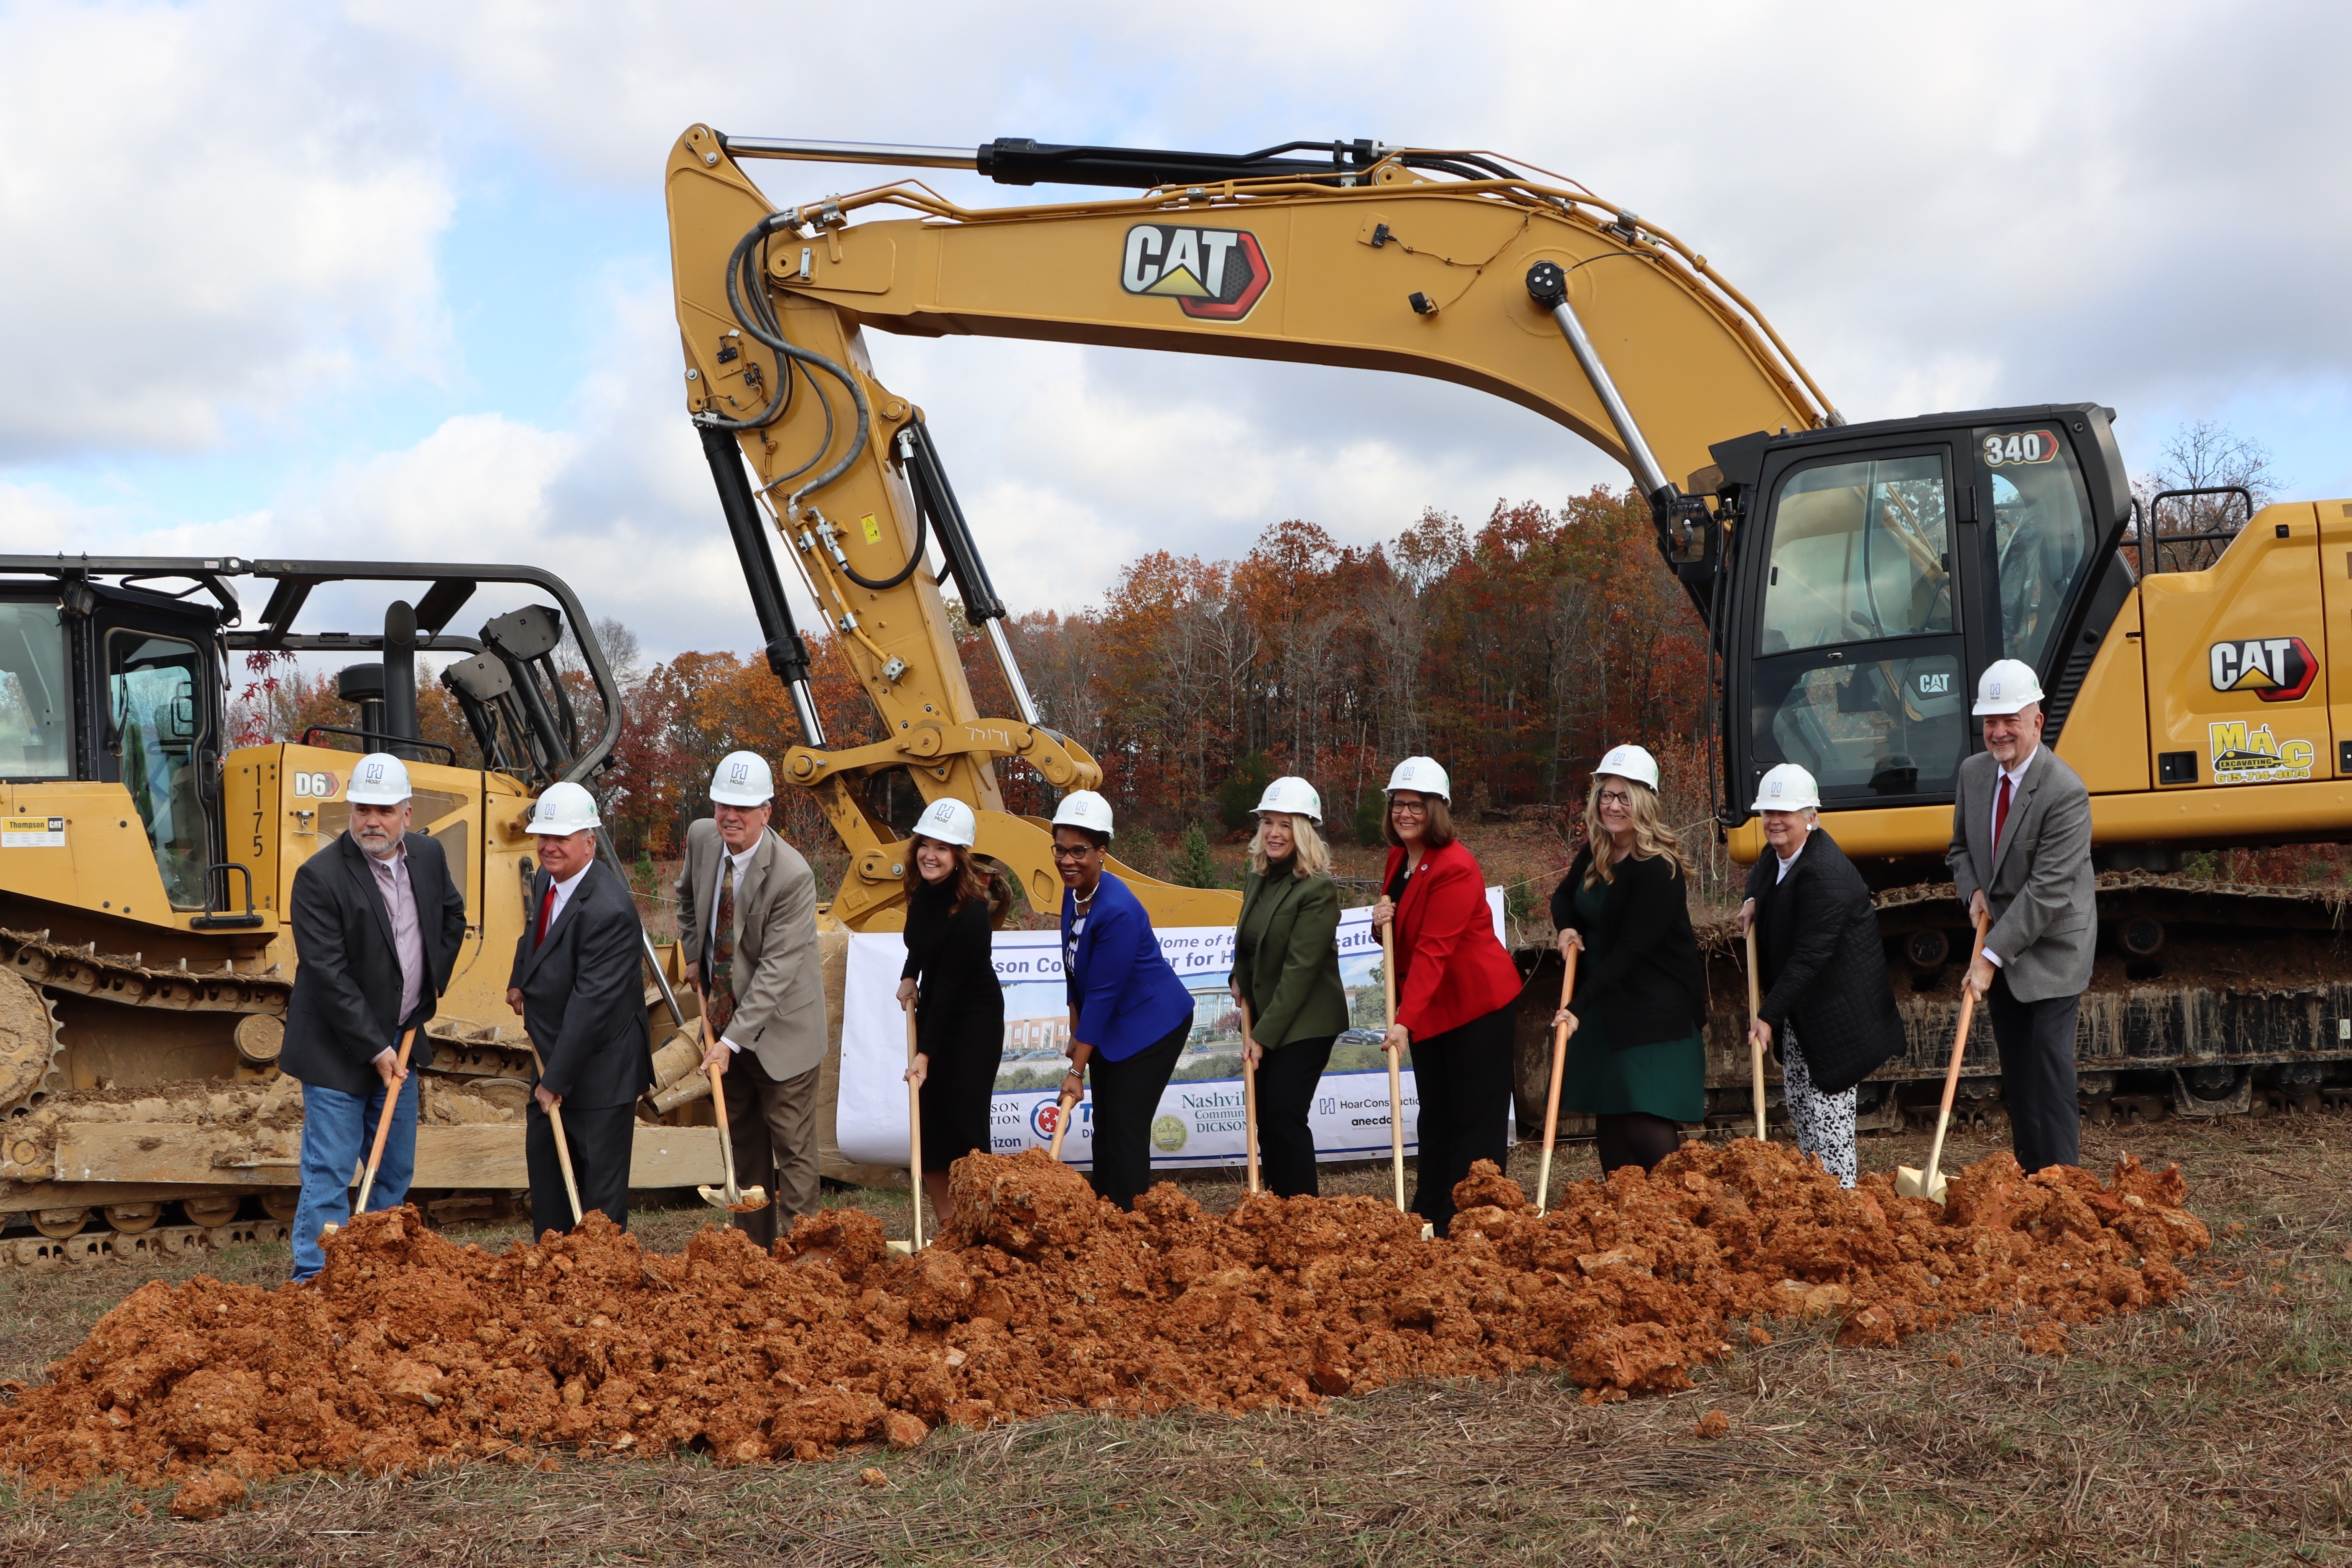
pixel 1668 1079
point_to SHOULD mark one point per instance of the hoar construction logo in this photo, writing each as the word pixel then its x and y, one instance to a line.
pixel 2251 754
pixel 1213 274
pixel 2277 669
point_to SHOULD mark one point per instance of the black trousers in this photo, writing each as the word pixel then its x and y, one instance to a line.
pixel 1463 1080
pixel 2037 1075
pixel 1287 1079
pixel 600 1140
pixel 1127 1094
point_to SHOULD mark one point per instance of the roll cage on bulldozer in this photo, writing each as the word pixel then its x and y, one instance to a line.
pixel 1855 578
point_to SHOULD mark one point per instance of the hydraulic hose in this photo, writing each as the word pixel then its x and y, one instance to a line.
pixel 760 324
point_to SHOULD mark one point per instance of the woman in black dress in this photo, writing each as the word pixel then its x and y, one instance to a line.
pixel 954 899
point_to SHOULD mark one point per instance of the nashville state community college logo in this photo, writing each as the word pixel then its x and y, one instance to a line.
pixel 2277 669
pixel 1213 274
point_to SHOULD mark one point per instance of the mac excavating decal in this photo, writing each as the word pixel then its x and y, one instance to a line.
pixel 2244 753
pixel 1213 274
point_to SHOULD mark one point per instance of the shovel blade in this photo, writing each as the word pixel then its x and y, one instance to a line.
pixel 1911 1182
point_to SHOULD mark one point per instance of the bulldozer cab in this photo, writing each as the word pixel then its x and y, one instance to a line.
pixel 1875 570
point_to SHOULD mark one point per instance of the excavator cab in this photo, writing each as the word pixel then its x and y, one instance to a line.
pixel 1873 570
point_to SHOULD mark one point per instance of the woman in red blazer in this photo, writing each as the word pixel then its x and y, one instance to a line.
pixel 1455 987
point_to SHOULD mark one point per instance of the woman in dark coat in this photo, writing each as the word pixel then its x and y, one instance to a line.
pixel 1286 967
pixel 1636 1058
pixel 953 902
pixel 1827 1007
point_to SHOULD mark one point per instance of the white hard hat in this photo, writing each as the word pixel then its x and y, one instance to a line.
pixel 2006 686
pixel 1294 796
pixel 1787 789
pixel 1422 776
pixel 742 778
pixel 1084 809
pixel 1631 763
pixel 949 822
pixel 562 810
pixel 381 779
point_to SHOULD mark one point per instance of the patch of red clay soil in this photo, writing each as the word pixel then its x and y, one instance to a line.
pixel 409 1349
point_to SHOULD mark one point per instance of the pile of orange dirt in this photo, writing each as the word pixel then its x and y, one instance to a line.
pixel 410 1349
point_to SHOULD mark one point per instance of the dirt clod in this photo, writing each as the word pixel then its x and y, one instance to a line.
pixel 409 1349
pixel 1714 1423
pixel 872 1477
pixel 208 1494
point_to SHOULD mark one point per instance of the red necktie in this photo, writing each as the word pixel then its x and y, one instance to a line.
pixel 1999 812
pixel 546 904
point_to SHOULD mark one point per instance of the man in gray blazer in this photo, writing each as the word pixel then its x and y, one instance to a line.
pixel 747 920
pixel 2021 850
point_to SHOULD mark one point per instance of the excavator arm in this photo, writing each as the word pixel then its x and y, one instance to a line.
pixel 1439 264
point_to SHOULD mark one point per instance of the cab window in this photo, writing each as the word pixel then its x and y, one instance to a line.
pixel 1860 549
pixel 2042 533
pixel 36 706
pixel 153 691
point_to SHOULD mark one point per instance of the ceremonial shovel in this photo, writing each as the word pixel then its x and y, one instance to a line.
pixel 1249 1099
pixel 728 1196
pixel 1551 1101
pixel 1755 1045
pixel 1065 1106
pixel 1396 1073
pixel 563 1148
pixel 1929 1183
pixel 913 1134
pixel 384 1124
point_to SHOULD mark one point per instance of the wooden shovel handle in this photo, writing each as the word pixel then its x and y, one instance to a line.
pixel 1396 1069
pixel 1755 1012
pixel 914 1132
pixel 1069 1104
pixel 1249 1101
pixel 383 1124
pixel 1551 1099
pixel 1959 1049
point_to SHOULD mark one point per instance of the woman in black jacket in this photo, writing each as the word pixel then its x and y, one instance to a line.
pixel 1636 1058
pixel 1826 1005
pixel 953 902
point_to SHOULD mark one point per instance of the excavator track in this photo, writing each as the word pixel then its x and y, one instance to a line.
pixel 2206 999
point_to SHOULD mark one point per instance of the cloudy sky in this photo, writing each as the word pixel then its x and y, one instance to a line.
pixel 389 278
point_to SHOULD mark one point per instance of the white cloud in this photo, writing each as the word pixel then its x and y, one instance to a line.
pixel 2140 206
pixel 199 220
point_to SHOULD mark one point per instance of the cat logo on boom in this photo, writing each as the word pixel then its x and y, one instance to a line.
pixel 1213 274
pixel 2277 669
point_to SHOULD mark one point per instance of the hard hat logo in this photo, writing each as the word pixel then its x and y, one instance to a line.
pixel 1213 274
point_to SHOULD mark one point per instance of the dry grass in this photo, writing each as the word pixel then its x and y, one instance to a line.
pixel 2213 1432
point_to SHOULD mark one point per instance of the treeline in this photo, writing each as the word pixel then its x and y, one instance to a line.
pixel 1515 651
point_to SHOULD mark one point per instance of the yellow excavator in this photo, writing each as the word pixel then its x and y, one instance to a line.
pixel 146 860
pixel 1856 578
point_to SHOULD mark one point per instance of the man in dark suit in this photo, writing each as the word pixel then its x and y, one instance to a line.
pixel 377 926
pixel 2022 854
pixel 579 983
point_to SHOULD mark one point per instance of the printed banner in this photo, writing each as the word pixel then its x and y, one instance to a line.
pixel 1200 1120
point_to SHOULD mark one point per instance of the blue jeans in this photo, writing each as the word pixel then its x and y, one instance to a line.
pixel 337 1131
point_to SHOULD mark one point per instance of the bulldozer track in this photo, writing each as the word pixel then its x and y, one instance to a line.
pixel 128 981
pixel 163 1241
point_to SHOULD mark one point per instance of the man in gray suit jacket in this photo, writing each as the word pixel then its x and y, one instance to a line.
pixel 2021 850
pixel 747 923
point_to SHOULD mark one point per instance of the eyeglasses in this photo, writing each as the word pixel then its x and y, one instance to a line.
pixel 1409 807
pixel 1615 797
pixel 1063 852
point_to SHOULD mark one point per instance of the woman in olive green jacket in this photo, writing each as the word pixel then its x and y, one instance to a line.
pixel 1287 966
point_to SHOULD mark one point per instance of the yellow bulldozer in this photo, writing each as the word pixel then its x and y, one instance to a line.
pixel 146 862
pixel 1855 578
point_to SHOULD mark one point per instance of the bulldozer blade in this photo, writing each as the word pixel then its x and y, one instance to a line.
pixel 1910 1181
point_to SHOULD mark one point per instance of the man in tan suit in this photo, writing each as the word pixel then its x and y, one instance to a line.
pixel 747 917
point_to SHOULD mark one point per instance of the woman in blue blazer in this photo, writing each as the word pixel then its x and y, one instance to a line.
pixel 1128 1012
